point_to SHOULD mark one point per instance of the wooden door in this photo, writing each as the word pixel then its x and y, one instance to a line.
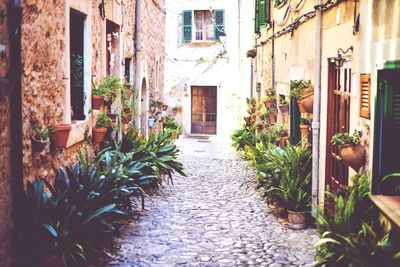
pixel 204 110
pixel 339 95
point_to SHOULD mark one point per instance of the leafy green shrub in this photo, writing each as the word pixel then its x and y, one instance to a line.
pixel 243 137
pixel 351 234
pixel 346 138
pixel 292 175
pixel 103 120
pixel 298 88
pixel 41 134
pixel 171 126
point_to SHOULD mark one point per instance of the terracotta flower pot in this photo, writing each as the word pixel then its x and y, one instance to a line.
pixel 304 129
pixel 260 127
pixel 99 134
pixel 97 102
pixel 38 145
pixel 126 118
pixel 268 103
pixel 174 111
pixel 49 261
pixel 301 108
pixel 283 140
pixel 272 118
pixel 175 136
pixel 308 103
pixel 59 135
pixel 353 155
pixel 297 219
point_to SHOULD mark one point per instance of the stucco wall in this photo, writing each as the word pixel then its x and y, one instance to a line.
pixel 5 152
pixel 204 64
pixel 295 59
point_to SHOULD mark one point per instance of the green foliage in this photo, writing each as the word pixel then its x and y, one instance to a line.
pixel 243 137
pixel 77 70
pixel 103 120
pixel 280 130
pixel 298 88
pixel 292 175
pixel 350 232
pixel 346 138
pixel 110 87
pixel 171 126
pixel 39 134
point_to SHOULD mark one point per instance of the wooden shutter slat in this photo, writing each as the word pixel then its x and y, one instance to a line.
pixel 365 97
pixel 187 26
pixel 219 23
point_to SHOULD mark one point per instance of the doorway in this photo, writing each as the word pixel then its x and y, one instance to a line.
pixel 339 95
pixel 204 109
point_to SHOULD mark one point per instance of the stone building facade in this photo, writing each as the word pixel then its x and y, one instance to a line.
pixel 106 34
pixel 208 75
pixel 359 51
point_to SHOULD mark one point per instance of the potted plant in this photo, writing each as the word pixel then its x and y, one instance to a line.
pixel 98 95
pixel 269 101
pixel 102 124
pixel 175 110
pixel 252 53
pixel 293 188
pixel 304 130
pixel 59 135
pixel 40 138
pixel 302 90
pixel 283 104
pixel 283 134
pixel 350 148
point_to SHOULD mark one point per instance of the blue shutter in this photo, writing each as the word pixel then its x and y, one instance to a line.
pixel 219 23
pixel 187 26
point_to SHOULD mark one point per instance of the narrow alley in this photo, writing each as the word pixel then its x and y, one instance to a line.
pixel 213 217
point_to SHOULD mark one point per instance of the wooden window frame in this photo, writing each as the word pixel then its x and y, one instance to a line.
pixel 204 27
pixel 365 95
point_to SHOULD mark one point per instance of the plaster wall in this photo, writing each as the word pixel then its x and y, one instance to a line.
pixel 204 64
pixel 380 42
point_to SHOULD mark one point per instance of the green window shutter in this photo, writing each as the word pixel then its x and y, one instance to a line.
pixel 187 26
pixel 256 18
pixel 219 23
pixel 262 15
pixel 278 3
pixel 267 11
pixel 387 132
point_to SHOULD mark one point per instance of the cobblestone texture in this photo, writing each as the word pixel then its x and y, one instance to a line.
pixel 212 218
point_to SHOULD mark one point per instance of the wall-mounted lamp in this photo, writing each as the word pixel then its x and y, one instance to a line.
pixel 185 88
pixel 341 57
pixel 222 38
pixel 258 87
pixel 102 10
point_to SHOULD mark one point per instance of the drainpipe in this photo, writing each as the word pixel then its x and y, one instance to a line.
pixel 273 58
pixel 316 110
pixel 138 48
pixel 14 75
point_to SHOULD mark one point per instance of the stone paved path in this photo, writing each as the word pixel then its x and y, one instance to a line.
pixel 212 218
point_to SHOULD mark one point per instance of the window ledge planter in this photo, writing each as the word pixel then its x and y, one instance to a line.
pixel 297 219
pixel 97 102
pixel 60 135
pixel 353 155
pixel 99 133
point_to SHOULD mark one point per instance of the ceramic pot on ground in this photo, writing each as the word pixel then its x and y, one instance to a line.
pixel 308 103
pixel 268 103
pixel 126 118
pixel 304 129
pixel 272 118
pixel 297 219
pixel 38 145
pixel 353 155
pixel 99 133
pixel 49 261
pixel 59 135
pixel 283 140
pixel 97 102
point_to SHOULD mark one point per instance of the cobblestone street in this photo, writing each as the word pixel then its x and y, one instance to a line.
pixel 214 217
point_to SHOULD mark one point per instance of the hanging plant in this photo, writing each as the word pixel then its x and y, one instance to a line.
pixel 351 150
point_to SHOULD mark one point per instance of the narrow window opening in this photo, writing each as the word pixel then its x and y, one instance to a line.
pixel 77 57
pixel 127 72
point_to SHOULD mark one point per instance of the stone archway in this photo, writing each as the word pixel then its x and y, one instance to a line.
pixel 144 107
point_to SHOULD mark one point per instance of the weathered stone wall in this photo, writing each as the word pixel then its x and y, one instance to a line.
pixel 153 44
pixel 5 153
